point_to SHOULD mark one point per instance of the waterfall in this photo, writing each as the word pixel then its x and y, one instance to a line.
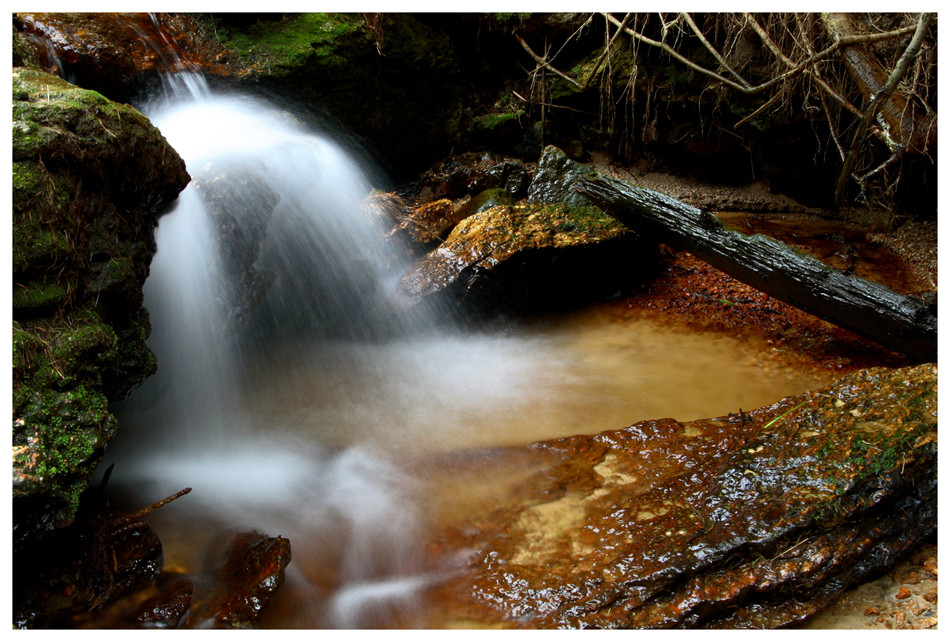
pixel 268 261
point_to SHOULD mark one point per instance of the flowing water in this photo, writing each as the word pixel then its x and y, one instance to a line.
pixel 293 388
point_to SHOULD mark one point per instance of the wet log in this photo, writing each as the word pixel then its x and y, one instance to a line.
pixel 906 324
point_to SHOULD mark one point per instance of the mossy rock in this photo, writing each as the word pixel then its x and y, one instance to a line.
pixel 90 178
pixel 529 257
pixel 394 81
pixel 486 200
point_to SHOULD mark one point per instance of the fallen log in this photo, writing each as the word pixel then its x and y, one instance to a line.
pixel 906 324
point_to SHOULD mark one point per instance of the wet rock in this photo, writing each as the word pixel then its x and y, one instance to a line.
pixel 240 204
pixel 166 610
pixel 525 256
pixel 510 175
pixel 554 178
pixel 90 178
pixel 757 519
pixel 63 575
pixel 115 53
pixel 485 200
pixel 467 174
pixel 252 571
pixel 429 223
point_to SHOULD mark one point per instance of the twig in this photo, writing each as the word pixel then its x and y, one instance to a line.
pixel 783 415
pixel 607 49
pixel 758 111
pixel 148 509
pixel 544 63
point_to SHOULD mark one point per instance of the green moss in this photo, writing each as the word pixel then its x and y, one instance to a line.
pixel 587 220
pixel 486 200
pixel 37 295
pixel 59 439
pixel 36 248
pixel 294 40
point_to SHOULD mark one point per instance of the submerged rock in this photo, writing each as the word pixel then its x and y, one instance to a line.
pixel 240 203
pixel 526 256
pixel 90 178
pixel 252 571
pixel 752 520
pixel 77 570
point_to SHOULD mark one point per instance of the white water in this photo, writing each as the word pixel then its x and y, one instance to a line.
pixel 294 420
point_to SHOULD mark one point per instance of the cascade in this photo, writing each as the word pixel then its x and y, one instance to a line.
pixel 292 384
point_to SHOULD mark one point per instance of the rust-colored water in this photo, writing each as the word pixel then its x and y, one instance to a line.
pixel 365 450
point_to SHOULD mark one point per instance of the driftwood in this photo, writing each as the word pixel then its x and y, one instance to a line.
pixel 906 324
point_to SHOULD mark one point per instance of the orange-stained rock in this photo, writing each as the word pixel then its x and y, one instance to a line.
pixel 754 520
pixel 252 571
pixel 112 52
pixel 527 256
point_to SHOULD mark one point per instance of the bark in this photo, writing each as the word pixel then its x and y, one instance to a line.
pixel 907 324
pixel 914 132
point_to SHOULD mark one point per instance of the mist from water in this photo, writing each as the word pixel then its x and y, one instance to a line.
pixel 292 380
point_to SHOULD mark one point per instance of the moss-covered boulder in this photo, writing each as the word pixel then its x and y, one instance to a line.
pixel 90 178
pixel 390 78
pixel 530 256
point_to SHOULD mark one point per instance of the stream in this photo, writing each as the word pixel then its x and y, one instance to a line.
pixel 317 411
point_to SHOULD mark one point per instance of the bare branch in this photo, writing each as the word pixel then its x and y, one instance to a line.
pixel 544 63
pixel 675 54
pixel 606 52
pixel 713 51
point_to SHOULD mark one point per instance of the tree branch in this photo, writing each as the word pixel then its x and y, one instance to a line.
pixel 897 74
pixel 544 63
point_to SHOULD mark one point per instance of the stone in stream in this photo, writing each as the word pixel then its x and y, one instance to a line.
pixel 752 520
pixel 530 256
pixel 252 571
pixel 240 203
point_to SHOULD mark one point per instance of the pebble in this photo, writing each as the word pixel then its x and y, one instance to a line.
pixel 872 610
pixel 903 593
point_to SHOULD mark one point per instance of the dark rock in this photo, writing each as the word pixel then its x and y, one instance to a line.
pixel 115 53
pixel 252 571
pixel 529 256
pixel 90 178
pixel 757 519
pixel 239 202
pixel 63 575
pixel 510 175
pixel 166 610
pixel 554 178
pixel 456 176
pixel 390 78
